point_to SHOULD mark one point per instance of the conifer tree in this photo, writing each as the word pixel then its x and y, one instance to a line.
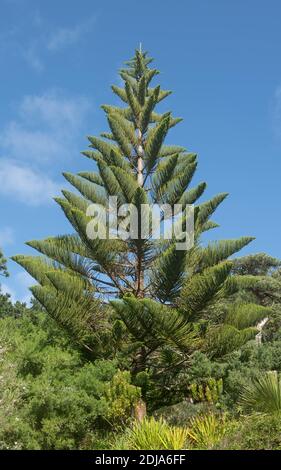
pixel 3 266
pixel 161 297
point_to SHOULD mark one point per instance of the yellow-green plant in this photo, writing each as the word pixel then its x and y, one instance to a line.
pixel 209 392
pixel 152 434
pixel 121 396
pixel 214 389
pixel 175 438
pixel 207 430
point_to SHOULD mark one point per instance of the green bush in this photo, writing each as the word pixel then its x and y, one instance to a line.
pixel 53 398
pixel 121 396
pixel 180 414
pixel 255 433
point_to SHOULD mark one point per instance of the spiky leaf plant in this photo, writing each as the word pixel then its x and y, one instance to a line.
pixel 152 434
pixel 263 395
pixel 206 431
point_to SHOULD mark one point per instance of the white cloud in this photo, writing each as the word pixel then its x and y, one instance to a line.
pixel 35 39
pixel 6 236
pixel 37 19
pixel 25 185
pixel 64 37
pixel 33 59
pixel 5 289
pixel 23 282
pixel 45 127
pixel 56 111
pixel 43 132
pixel 29 144
pixel 21 293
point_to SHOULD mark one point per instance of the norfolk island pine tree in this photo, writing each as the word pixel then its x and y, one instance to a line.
pixel 140 299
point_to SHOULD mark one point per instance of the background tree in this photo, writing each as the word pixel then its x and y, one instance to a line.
pixel 3 266
pixel 259 264
pixel 266 291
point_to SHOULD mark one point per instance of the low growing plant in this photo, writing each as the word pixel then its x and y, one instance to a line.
pixel 263 395
pixel 207 430
pixel 152 434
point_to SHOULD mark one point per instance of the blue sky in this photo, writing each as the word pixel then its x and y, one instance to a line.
pixel 57 62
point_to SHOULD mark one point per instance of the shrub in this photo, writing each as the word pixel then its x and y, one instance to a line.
pixel 53 398
pixel 180 413
pixel 151 434
pixel 253 433
pixel 121 396
pixel 263 395
pixel 207 430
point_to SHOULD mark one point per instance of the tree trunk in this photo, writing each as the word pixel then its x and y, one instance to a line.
pixel 139 411
pixel 140 168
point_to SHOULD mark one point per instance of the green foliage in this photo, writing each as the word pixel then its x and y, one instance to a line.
pixel 154 142
pixel 152 434
pixel 254 433
pixel 138 319
pixel 181 413
pixel 263 395
pixel 3 267
pixel 259 264
pixel 222 340
pixel 7 308
pixel 121 396
pixel 53 398
pixel 241 315
pixel 77 273
pixel 210 391
pixel 206 431
pixel 134 307
pixel 202 288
